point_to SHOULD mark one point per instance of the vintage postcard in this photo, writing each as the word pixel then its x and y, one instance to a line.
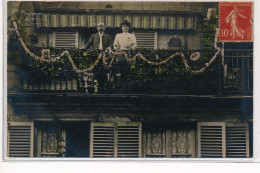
pixel 119 79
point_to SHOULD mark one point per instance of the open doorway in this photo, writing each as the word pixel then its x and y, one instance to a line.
pixel 77 139
pixel 62 139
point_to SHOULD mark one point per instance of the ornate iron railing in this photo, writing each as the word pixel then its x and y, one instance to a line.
pixel 128 77
pixel 232 73
pixel 238 68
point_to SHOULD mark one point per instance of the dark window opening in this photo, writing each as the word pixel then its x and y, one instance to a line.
pixel 77 140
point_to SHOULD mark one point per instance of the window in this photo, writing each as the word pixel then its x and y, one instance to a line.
pixel 174 140
pixel 115 140
pixel 66 139
pixel 51 140
pixel 20 139
pixel 146 39
pixel 219 139
pixel 65 40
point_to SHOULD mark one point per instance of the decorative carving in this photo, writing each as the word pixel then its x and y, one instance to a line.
pixel 148 145
pixel 164 143
pixel 190 144
pixel 44 139
pixel 114 118
pixel 156 143
pixel 52 141
pixel 173 142
pixel 181 143
pixel 49 140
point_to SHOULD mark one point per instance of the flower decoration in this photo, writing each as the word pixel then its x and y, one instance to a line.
pixel 195 56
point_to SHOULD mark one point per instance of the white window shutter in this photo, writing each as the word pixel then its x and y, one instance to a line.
pixel 20 139
pixel 145 39
pixel 237 140
pixel 211 139
pixel 102 141
pixel 115 140
pixel 66 40
pixel 129 137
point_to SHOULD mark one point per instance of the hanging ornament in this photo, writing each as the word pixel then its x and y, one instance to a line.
pixel 195 56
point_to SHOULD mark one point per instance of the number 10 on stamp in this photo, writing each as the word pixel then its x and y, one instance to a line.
pixel 235 21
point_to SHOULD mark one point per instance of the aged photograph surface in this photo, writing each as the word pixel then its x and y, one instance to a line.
pixel 110 79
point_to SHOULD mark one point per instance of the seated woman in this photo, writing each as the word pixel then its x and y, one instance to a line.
pixel 125 40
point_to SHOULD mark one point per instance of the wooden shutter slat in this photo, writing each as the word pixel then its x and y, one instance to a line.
pixel 102 146
pixel 126 131
pixel 102 137
pixel 18 146
pixel 18 142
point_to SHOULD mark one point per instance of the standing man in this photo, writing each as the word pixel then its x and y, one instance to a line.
pixel 99 40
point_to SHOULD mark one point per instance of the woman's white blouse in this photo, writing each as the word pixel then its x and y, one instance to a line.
pixel 125 41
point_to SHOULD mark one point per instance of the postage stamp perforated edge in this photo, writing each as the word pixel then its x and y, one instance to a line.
pixel 251 16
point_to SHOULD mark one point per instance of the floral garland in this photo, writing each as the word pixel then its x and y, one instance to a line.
pixel 42 58
pixel 106 65
pixel 184 60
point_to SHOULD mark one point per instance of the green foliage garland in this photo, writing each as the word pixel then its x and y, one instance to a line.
pixel 139 70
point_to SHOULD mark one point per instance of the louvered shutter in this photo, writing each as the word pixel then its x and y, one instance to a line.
pixel 65 40
pixel 211 139
pixel 237 144
pixel 115 140
pixel 20 139
pixel 129 139
pixel 102 140
pixel 145 40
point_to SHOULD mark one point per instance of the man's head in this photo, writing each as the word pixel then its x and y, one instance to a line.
pixel 101 27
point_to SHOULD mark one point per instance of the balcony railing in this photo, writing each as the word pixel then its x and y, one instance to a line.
pixel 142 78
pixel 238 68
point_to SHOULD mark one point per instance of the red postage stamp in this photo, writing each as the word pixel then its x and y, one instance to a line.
pixel 235 21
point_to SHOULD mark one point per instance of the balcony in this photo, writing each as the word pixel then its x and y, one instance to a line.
pixel 138 77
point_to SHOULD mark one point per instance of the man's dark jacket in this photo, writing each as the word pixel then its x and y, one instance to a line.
pixel 94 41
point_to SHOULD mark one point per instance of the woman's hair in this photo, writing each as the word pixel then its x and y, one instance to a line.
pixel 125 22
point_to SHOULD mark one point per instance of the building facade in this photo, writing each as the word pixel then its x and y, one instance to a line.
pixel 164 115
